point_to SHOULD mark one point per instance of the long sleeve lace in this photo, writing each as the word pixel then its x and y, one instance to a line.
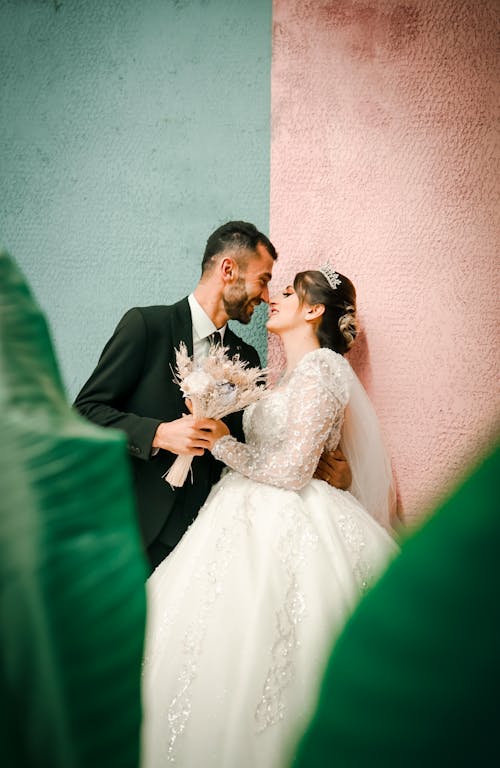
pixel 293 425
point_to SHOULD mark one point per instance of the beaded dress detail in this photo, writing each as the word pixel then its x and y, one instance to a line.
pixel 243 613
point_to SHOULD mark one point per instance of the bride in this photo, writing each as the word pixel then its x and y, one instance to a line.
pixel 242 614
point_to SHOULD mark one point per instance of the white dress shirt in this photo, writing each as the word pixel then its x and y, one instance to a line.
pixel 202 328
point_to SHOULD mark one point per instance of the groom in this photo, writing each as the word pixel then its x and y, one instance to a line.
pixel 132 388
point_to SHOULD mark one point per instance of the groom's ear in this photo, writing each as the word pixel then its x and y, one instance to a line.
pixel 228 269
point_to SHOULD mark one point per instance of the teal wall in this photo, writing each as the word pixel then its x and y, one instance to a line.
pixel 128 132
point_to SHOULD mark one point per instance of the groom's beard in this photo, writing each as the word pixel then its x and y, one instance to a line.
pixel 237 303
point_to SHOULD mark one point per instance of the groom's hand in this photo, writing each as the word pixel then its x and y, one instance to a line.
pixel 184 436
pixel 334 469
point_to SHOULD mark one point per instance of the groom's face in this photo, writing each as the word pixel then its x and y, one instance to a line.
pixel 250 286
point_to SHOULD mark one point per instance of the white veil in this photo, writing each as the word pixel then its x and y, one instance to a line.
pixel 363 446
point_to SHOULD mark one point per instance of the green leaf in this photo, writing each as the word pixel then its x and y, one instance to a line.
pixel 71 566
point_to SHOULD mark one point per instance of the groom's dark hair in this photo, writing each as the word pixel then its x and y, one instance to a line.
pixel 235 235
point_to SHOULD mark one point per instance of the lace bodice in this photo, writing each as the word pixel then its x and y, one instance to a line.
pixel 288 429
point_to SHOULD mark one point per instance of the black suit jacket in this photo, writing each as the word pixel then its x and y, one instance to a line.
pixel 132 389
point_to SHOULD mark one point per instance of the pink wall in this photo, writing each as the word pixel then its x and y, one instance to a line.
pixel 385 160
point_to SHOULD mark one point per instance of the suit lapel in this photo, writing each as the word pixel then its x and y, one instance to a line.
pixel 181 329
pixel 232 341
pixel 182 326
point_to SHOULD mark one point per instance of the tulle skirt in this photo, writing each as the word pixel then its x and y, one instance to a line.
pixel 241 619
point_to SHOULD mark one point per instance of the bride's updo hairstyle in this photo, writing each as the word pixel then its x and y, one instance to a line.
pixel 338 325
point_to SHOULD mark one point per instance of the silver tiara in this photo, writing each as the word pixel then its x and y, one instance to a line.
pixel 333 278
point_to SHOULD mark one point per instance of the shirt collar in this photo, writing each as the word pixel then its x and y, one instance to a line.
pixel 202 324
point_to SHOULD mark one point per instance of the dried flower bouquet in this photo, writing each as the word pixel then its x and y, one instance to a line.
pixel 217 386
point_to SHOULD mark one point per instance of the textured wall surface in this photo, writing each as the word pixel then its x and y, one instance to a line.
pixel 128 132
pixel 384 159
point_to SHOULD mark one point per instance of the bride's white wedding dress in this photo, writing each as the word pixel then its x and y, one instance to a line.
pixel 243 613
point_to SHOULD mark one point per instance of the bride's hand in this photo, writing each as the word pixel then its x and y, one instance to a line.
pixel 214 431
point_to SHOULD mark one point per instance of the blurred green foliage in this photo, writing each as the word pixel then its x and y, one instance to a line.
pixel 71 568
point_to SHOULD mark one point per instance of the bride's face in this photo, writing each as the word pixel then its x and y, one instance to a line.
pixel 284 311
